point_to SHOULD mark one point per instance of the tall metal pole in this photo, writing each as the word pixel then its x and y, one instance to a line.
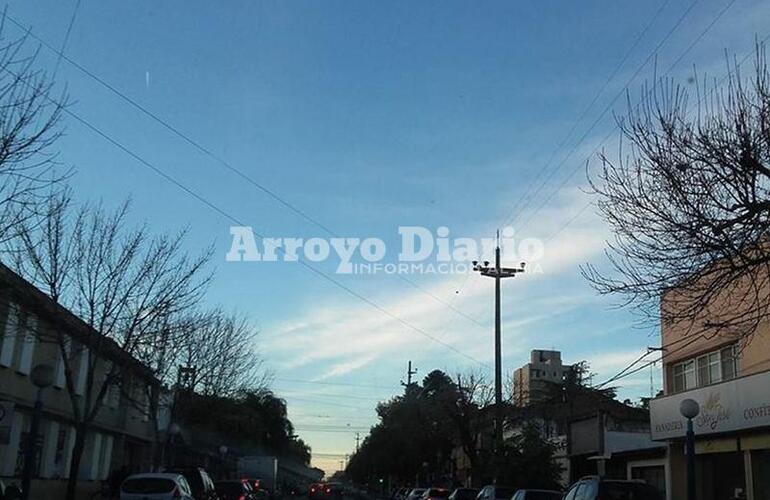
pixel 690 449
pixel 498 273
pixel 498 360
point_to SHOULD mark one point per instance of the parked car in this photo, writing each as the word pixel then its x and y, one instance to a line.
pixel 316 489
pixel 200 482
pixel 596 488
pixel 415 494
pixel 155 486
pixel 333 490
pixel 234 489
pixel 400 493
pixel 9 492
pixel 537 495
pixel 436 494
pixel 492 492
pixel 464 494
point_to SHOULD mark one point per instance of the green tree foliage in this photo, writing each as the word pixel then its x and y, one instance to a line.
pixel 528 461
pixel 254 420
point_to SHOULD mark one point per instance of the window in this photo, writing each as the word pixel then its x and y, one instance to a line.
pixel 706 369
pixel 729 360
pixel 684 376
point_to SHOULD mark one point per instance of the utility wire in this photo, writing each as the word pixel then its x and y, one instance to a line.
pixel 207 152
pixel 606 109
pixel 521 202
pixel 601 116
pixel 235 220
pixel 66 36
pixel 609 134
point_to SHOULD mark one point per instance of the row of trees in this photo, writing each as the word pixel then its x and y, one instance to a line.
pixel 139 292
pixel 420 433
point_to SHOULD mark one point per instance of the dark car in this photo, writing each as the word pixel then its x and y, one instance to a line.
pixel 234 489
pixel 315 490
pixel 333 490
pixel 200 482
pixel 10 492
pixel 464 494
pixel 436 494
pixel 493 492
pixel 537 495
pixel 595 488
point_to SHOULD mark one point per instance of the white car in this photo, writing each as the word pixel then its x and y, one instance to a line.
pixel 155 486
pixel 416 494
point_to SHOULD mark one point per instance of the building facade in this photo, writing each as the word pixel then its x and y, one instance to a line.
pixel 729 376
pixel 533 382
pixel 121 435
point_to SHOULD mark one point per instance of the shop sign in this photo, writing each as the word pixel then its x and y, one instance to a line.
pixel 742 403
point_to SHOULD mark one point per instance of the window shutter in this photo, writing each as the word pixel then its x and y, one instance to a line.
pixel 11 331
pixel 83 362
pixel 28 345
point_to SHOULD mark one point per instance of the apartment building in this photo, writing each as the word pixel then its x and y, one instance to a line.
pixel 534 381
pixel 729 377
pixel 121 434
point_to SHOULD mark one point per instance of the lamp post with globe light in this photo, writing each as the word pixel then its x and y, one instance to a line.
pixel 690 409
pixel 173 431
pixel 42 376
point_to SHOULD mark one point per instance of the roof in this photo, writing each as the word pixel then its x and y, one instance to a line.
pixel 24 292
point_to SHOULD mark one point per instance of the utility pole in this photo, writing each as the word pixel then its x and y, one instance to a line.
pixel 498 273
pixel 358 439
pixel 409 373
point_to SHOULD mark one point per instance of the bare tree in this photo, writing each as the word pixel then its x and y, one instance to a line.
pixel 688 198
pixel 472 417
pixel 121 282
pixel 29 126
pixel 221 347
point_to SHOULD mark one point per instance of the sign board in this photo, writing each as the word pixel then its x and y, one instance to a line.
pixel 742 403
pixel 6 421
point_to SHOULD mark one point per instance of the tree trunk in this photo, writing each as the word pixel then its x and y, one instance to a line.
pixel 77 455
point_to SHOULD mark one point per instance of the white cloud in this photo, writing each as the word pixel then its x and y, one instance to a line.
pixel 352 335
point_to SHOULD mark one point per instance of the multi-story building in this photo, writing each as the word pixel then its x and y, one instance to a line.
pixel 534 381
pixel 729 376
pixel 121 435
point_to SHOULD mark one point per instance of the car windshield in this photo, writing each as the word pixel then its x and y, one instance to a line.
pixel 148 485
pixel 193 478
pixel 466 494
pixel 627 491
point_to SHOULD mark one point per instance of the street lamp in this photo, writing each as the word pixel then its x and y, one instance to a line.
pixel 173 431
pixel 42 376
pixel 498 272
pixel 689 409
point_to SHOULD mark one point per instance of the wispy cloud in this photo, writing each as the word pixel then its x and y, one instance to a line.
pixel 353 337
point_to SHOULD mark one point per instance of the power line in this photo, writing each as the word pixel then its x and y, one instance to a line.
pixel 606 109
pixel 702 34
pixel 235 220
pixel 601 116
pixel 66 36
pixel 523 199
pixel 207 152
pixel 529 194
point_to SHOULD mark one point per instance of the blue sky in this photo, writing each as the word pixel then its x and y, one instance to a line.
pixel 369 116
